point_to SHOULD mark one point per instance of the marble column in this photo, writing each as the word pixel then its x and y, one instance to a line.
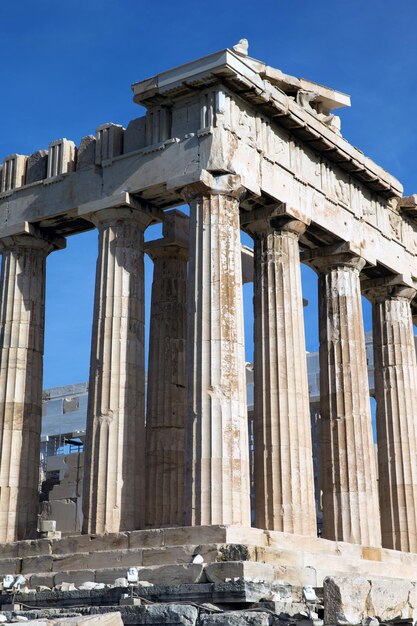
pixel 284 481
pixel 217 489
pixel 396 414
pixel 115 438
pixel 166 393
pixel 22 321
pixel 350 494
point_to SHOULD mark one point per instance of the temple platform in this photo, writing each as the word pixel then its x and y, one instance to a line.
pixel 166 556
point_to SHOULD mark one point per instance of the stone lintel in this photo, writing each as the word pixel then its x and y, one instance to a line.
pixel 379 289
pixel 26 233
pixel 120 201
pixel 207 184
pixel 276 217
pixel 340 254
pixel 203 182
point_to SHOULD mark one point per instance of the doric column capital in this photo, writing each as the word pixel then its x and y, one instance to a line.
pixel 120 207
pixel 269 219
pixel 174 243
pixel 28 237
pixel 111 216
pixel 391 288
pixel 161 248
pixel 208 185
pixel 329 257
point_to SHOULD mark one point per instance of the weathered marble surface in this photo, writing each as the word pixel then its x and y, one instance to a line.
pixel 167 397
pixel 349 485
pixel 396 414
pixel 115 438
pixel 22 321
pixel 283 469
pixel 217 489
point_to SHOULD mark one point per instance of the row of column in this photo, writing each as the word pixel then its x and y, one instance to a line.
pixel 195 452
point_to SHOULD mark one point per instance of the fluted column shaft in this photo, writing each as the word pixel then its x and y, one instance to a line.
pixel 284 482
pixel 217 452
pixel 22 321
pixel 166 392
pixel 350 497
pixel 114 465
pixel 396 415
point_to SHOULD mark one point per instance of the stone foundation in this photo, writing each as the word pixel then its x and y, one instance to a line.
pixel 165 556
pixel 240 602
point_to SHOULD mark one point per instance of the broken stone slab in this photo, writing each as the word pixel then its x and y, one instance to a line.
pixel 219 572
pixel 345 600
pixel 170 614
pixel 66 587
pixel 238 592
pixel 86 152
pixel 249 591
pixel 286 610
pixel 78 577
pixel 56 598
pixel 236 552
pixel 121 582
pixel 392 600
pixel 349 601
pixel 237 618
pixel 157 574
pixel 91 585
pixel 135 135
pixel 103 619
pixel 36 166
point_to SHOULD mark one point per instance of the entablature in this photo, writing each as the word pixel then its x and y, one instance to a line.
pixel 224 114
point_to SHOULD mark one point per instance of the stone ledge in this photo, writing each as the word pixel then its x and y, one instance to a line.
pixel 236 591
pixel 297 559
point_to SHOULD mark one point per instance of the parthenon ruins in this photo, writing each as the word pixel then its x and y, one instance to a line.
pixel 250 149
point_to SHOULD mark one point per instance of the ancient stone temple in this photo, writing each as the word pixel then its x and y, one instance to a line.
pixel 249 148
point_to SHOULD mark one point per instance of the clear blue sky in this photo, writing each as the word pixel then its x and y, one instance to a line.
pixel 67 66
